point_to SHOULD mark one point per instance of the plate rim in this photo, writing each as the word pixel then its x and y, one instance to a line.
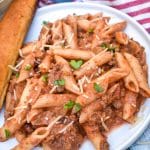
pixel 146 122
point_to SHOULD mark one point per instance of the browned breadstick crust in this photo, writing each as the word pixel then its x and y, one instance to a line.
pixel 13 28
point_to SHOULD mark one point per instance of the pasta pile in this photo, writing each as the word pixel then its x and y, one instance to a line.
pixel 81 78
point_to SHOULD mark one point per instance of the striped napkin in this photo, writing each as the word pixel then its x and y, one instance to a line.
pixel 140 11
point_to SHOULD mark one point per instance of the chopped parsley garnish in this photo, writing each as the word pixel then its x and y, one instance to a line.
pixel 77 107
pixel 76 64
pixel 45 22
pixel 98 88
pixel 17 74
pixel 7 133
pixel 111 49
pixel 108 47
pixel 60 82
pixel 104 45
pixel 90 30
pixel 69 104
pixel 45 78
pixel 28 67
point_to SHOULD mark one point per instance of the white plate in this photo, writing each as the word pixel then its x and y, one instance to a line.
pixel 124 136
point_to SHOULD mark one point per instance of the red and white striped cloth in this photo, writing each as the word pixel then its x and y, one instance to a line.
pixel 138 9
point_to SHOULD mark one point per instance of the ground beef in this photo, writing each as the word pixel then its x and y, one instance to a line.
pixel 70 139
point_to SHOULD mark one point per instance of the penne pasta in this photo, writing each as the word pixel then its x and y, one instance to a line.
pixel 121 38
pixel 70 83
pixel 115 28
pixel 130 80
pixel 53 100
pixel 27 49
pixel 72 21
pixel 73 54
pixel 57 32
pixel 130 105
pixel 27 68
pixel 97 39
pixel 70 36
pixel 138 74
pixel 89 110
pixel 83 24
pixel 13 96
pixel 45 64
pixel 98 105
pixel 36 137
pixel 102 82
pixel 98 140
pixel 17 120
pixel 91 65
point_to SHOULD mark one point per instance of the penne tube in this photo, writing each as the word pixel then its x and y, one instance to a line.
pixel 130 80
pixel 27 49
pixel 84 24
pixel 36 137
pixel 57 33
pixel 13 96
pixel 115 28
pixel 72 21
pixel 70 83
pixel 92 93
pixel 121 38
pixel 97 37
pixel 27 68
pixel 70 36
pixel 130 105
pixel 14 123
pixel 91 65
pixel 95 136
pixel 89 110
pixel 43 37
pixel 113 75
pixel 74 54
pixel 139 74
pixel 45 64
pixel 53 100
pixel 98 105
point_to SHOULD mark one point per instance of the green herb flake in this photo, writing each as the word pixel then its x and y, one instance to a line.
pixel 7 133
pixel 45 78
pixel 108 47
pixel 90 30
pixel 17 74
pixel 28 67
pixel 104 45
pixel 45 22
pixel 69 105
pixel 98 88
pixel 60 82
pixel 111 49
pixel 77 107
pixel 76 64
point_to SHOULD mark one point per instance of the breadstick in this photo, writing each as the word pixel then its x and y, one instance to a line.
pixel 13 28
